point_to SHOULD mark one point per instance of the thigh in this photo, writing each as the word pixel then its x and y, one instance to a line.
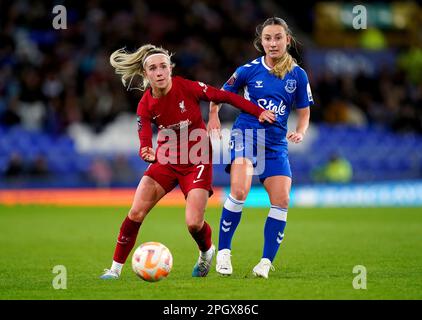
pixel 241 173
pixel 196 203
pixel 195 177
pixel 147 194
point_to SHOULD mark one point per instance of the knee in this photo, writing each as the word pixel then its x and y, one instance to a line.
pixel 194 226
pixel 137 214
pixel 239 193
pixel 282 202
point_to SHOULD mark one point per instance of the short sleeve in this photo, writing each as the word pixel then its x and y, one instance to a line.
pixel 236 81
pixel 303 93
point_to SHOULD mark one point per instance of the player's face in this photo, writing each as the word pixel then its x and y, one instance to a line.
pixel 158 72
pixel 274 40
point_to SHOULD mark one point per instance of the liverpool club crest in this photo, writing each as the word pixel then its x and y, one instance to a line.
pixel 182 106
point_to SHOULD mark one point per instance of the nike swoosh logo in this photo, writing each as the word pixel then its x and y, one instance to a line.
pixel 153 118
pixel 195 181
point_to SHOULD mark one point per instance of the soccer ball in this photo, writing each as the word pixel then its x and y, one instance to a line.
pixel 152 261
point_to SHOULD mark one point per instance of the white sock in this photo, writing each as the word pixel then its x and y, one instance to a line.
pixel 117 267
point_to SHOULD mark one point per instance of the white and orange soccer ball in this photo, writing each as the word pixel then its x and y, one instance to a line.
pixel 152 261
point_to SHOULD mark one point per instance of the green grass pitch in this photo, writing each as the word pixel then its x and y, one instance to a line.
pixel 315 261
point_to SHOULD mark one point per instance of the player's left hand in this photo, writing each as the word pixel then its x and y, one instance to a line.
pixel 295 137
pixel 148 154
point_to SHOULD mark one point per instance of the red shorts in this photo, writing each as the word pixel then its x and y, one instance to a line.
pixel 187 176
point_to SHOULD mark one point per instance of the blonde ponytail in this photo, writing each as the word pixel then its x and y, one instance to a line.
pixel 283 66
pixel 128 65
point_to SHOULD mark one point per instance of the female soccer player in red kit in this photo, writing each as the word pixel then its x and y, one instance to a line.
pixel 172 104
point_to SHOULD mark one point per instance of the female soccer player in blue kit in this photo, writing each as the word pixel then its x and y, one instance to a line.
pixel 274 82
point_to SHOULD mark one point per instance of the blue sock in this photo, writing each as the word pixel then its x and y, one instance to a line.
pixel 274 231
pixel 230 218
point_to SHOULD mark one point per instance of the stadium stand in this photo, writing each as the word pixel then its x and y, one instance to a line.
pixel 60 100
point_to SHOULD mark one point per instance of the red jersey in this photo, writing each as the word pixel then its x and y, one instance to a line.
pixel 178 116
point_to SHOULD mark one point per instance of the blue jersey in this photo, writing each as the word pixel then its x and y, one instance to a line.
pixel 271 93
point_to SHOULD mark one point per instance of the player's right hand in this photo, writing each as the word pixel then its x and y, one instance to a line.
pixel 148 154
pixel 214 126
pixel 268 116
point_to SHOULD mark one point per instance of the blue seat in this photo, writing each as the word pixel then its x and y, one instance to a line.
pixel 82 163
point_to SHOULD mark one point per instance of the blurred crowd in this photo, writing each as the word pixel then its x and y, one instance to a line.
pixel 51 78
pixel 392 98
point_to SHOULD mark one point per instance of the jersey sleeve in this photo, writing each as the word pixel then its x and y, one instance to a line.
pixel 208 93
pixel 303 96
pixel 236 81
pixel 144 126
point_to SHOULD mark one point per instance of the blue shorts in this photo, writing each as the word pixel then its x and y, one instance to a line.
pixel 268 158
pixel 269 167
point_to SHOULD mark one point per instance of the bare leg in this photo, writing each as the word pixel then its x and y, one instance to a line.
pixel 278 189
pixel 241 178
pixel 148 193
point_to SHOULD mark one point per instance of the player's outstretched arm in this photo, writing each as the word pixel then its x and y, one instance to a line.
pixel 210 93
